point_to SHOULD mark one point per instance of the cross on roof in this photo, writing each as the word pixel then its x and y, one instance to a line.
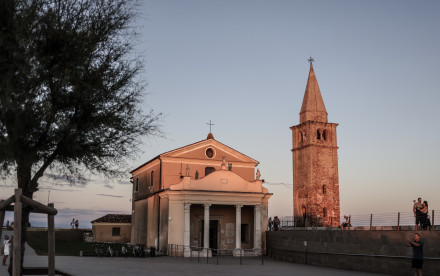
pixel 210 124
pixel 311 60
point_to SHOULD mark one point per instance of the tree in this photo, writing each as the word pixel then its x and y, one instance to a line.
pixel 70 90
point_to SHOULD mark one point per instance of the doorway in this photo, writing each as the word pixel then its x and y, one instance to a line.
pixel 213 233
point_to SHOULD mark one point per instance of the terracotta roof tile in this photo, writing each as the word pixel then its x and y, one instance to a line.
pixel 114 218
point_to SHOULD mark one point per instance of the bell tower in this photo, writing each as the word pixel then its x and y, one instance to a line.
pixel 315 162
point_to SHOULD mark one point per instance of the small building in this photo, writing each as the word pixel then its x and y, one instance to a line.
pixel 203 195
pixel 112 228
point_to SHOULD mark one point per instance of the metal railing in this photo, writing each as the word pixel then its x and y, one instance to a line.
pixel 385 221
pixel 202 253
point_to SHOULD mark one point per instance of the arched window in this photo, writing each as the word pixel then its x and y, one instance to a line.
pixel 152 179
pixel 324 212
pixel 136 188
pixel 324 189
pixel 209 170
pixel 324 135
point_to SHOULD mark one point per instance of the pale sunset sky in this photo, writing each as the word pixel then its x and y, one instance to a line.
pixel 243 65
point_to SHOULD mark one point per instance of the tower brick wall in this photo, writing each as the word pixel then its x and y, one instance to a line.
pixel 315 163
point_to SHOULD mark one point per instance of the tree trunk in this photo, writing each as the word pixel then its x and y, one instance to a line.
pixel 24 171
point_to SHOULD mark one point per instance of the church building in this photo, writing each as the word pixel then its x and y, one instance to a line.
pixel 203 195
pixel 315 162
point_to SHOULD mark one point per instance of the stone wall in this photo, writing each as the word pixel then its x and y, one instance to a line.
pixel 371 251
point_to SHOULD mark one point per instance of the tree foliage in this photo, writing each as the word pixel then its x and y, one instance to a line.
pixel 70 90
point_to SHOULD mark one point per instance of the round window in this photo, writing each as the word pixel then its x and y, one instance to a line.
pixel 209 153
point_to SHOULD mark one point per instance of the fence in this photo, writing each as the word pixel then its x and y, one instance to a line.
pixel 216 255
pixel 399 220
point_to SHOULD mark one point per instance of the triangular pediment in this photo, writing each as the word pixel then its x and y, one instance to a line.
pixel 209 149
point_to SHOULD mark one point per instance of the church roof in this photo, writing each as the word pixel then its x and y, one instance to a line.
pixel 114 218
pixel 208 141
pixel 313 108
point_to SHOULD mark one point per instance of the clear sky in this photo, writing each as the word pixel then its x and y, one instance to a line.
pixel 243 65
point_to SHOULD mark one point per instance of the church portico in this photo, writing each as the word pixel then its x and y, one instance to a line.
pixel 226 229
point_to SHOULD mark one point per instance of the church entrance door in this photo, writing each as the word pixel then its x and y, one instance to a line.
pixel 213 234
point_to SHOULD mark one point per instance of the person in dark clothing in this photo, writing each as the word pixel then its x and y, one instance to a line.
pixel 417 248
pixel 276 223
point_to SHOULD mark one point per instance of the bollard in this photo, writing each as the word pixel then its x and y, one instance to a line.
pixel 262 257
pixel 398 221
pixel 371 221
pixel 432 224
pixel 207 253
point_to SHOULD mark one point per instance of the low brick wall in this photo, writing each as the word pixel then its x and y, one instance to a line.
pixel 371 251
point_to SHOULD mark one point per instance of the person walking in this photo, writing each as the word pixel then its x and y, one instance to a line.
pixel 6 244
pixel 417 259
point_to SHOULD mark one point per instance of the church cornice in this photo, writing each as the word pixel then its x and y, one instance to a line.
pixel 200 161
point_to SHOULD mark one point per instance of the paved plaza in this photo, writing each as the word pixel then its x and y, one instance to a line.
pixel 175 266
pixel 179 266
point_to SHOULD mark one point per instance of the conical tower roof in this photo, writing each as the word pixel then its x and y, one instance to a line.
pixel 313 108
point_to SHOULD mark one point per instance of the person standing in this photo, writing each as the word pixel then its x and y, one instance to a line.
pixel 276 223
pixel 417 259
pixel 270 223
pixel 76 224
pixel 425 221
pixel 6 244
pixel 417 209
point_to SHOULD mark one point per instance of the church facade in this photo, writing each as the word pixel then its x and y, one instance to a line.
pixel 203 195
pixel 315 162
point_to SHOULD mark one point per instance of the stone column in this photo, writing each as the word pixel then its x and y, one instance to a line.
pixel 238 226
pixel 257 227
pixel 206 226
pixel 186 233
